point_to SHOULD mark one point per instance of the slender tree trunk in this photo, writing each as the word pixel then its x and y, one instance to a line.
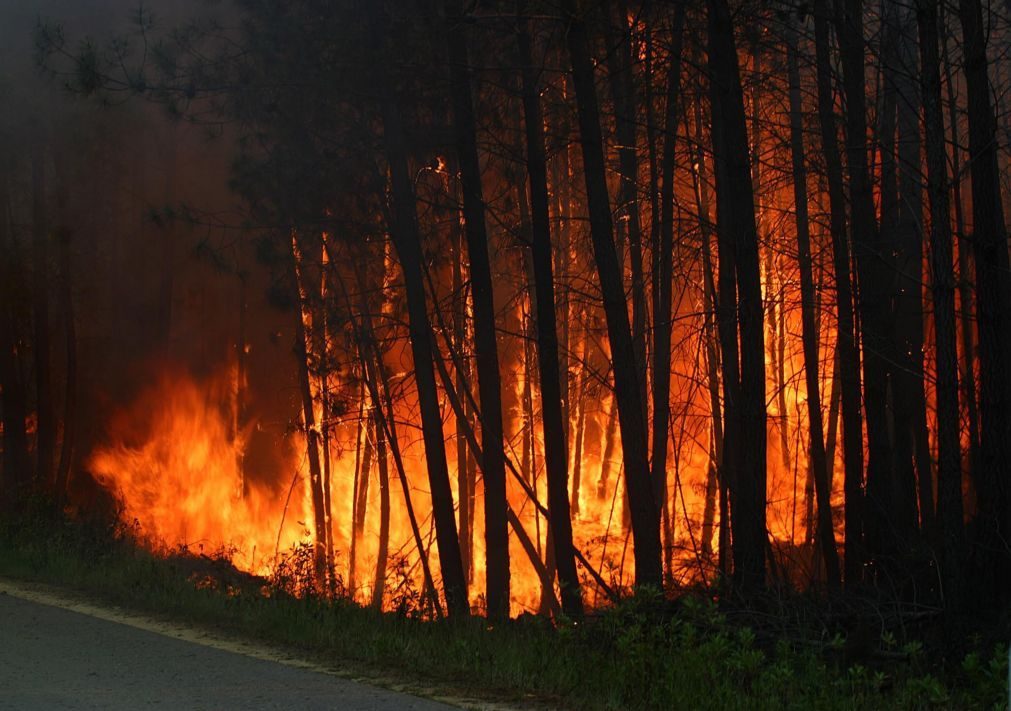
pixel 943 288
pixel 379 584
pixel 555 456
pixel 45 441
pixel 645 514
pixel 407 239
pixel 964 264
pixel 849 357
pixel 623 95
pixel 464 475
pixel 577 449
pixel 356 482
pixel 819 463
pixel 607 458
pixel 309 427
pixel 63 237
pixel 16 469
pixel 485 346
pixel 715 479
pixel 993 300
pixel 873 280
pixel 662 323
pixel 378 382
pixel 744 390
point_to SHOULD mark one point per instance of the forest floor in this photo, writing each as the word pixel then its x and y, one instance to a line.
pixel 645 653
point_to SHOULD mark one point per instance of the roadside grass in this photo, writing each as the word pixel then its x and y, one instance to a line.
pixel 642 654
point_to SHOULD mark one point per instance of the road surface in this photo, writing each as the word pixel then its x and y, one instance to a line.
pixel 54 658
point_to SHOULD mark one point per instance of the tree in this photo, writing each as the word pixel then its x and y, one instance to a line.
pixel 744 364
pixel 486 350
pixel 556 457
pixel 645 513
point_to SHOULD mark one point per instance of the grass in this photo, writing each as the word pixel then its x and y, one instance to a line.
pixel 643 654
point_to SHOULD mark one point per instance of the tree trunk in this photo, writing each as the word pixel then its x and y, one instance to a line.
pixel 819 462
pixel 623 96
pixel 645 514
pixel 662 324
pixel 872 279
pixel 849 357
pixel 63 237
pixel 744 390
pixel 15 439
pixel 45 440
pixel 379 584
pixel 555 456
pixel 949 471
pixel 964 264
pixel 407 239
pixel 993 299
pixel 309 428
pixel 485 346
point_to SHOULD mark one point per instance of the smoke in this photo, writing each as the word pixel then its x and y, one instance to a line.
pixel 162 267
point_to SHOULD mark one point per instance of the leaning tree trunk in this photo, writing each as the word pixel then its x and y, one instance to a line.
pixel 738 240
pixel 407 239
pixel 555 456
pixel 645 513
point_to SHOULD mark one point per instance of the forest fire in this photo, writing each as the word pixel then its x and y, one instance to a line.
pixel 174 461
pixel 503 308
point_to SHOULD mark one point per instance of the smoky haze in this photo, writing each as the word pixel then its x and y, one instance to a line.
pixel 163 277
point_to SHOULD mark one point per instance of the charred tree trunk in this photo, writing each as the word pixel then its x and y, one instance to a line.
pixel 715 480
pixel 16 469
pixel 63 236
pixel 378 381
pixel 849 356
pixel 902 215
pixel 464 474
pixel 45 441
pixel 949 469
pixel 309 426
pixel 993 301
pixel 623 96
pixel 407 239
pixel 485 346
pixel 965 284
pixel 379 584
pixel 881 534
pixel 555 456
pixel 662 323
pixel 744 389
pixel 819 463
pixel 645 513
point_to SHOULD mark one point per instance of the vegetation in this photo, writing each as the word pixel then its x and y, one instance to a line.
pixel 644 653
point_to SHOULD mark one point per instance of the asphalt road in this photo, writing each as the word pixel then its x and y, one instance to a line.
pixel 53 658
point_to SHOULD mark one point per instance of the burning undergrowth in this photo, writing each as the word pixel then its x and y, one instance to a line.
pixel 174 461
